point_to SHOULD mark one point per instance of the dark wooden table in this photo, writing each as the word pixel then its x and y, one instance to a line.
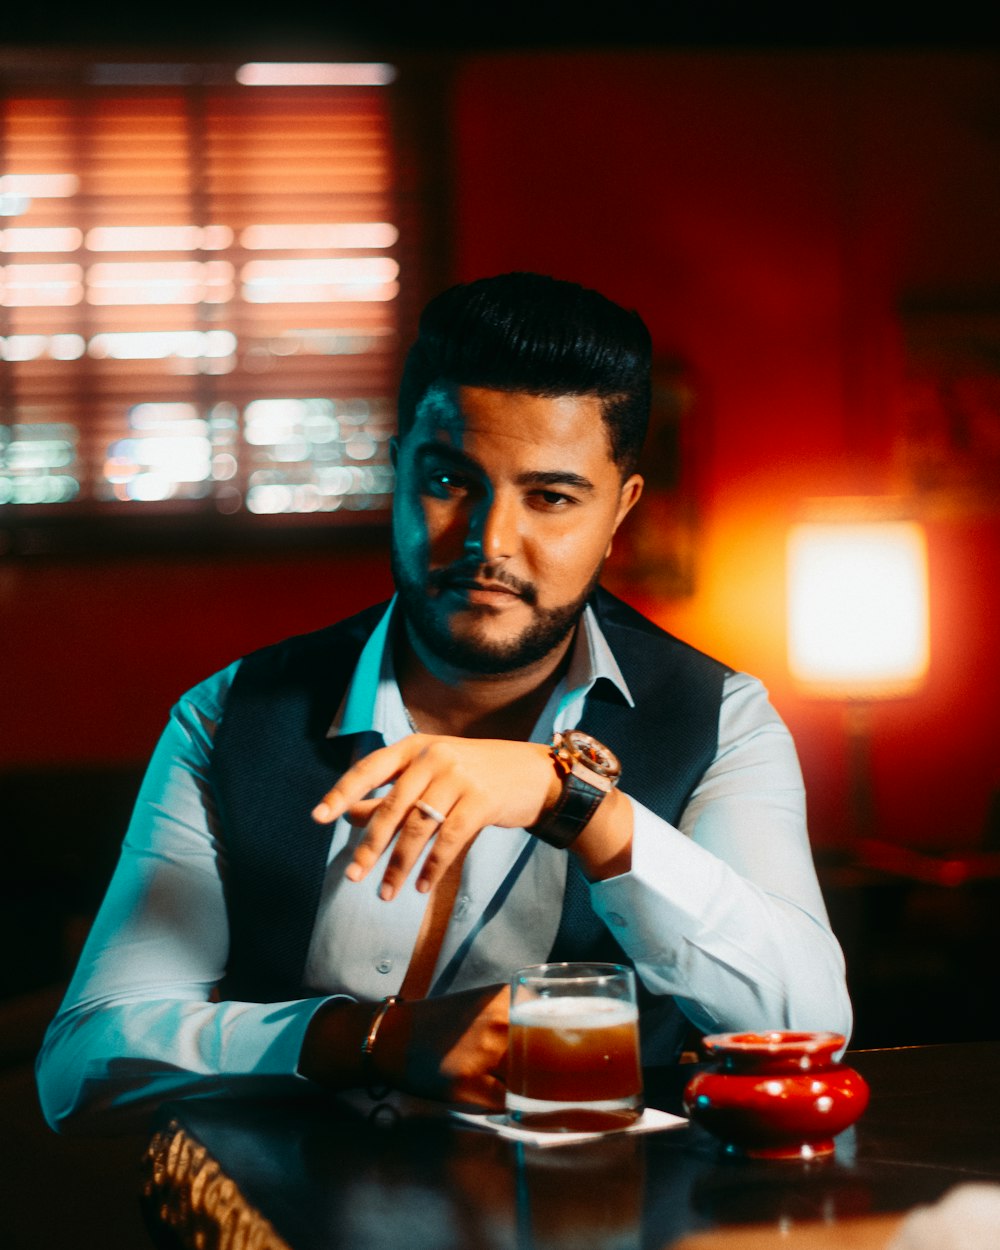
pixel 281 1175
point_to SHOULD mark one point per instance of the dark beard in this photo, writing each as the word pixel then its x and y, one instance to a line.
pixel 474 655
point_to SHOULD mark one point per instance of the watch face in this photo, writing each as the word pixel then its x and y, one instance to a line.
pixel 592 754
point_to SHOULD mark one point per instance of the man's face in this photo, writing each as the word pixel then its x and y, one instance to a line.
pixel 505 507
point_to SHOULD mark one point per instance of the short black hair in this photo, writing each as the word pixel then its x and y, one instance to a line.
pixel 540 335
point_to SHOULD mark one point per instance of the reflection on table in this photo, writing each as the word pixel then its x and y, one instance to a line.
pixel 341 1173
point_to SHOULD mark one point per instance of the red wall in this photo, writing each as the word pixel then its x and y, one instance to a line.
pixel 765 212
pixel 95 654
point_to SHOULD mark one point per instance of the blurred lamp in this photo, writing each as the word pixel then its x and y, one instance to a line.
pixel 858 624
pixel 857 608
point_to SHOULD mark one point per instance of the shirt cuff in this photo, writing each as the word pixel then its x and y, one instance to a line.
pixel 667 892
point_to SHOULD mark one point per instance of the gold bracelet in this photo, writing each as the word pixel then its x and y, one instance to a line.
pixel 368 1046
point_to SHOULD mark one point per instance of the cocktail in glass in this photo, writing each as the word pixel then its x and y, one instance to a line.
pixel 573 1049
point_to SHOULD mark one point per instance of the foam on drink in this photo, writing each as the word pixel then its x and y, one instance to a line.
pixel 569 1012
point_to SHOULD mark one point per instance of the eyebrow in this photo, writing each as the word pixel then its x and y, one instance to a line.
pixel 555 477
pixel 531 477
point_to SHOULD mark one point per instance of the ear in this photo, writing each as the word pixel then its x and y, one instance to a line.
pixel 627 499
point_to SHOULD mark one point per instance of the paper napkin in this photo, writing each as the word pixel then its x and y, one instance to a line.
pixel 651 1121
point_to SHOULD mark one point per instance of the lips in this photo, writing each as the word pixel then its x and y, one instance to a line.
pixel 485 593
pixel 476 586
pixel 469 583
pixel 488 595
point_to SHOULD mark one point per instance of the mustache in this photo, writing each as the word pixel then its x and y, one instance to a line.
pixel 462 574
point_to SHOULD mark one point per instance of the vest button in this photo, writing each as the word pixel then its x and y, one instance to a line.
pixel 462 907
pixel 617 919
pixel 383 965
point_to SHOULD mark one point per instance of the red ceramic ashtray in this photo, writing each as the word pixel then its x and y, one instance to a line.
pixel 776 1095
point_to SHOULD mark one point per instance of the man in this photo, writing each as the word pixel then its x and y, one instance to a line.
pixel 346 843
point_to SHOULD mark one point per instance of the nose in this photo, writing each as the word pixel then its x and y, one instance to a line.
pixel 493 527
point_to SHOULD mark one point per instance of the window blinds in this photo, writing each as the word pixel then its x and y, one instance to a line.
pixel 199 296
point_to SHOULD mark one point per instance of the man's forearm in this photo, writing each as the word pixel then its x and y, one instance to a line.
pixel 452 1047
pixel 735 954
pixel 604 848
pixel 332 1047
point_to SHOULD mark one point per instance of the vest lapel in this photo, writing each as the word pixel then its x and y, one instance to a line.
pixel 272 762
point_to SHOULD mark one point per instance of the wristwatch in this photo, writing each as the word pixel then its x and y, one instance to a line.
pixel 589 772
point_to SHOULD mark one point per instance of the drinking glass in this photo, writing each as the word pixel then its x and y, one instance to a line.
pixel 573 1048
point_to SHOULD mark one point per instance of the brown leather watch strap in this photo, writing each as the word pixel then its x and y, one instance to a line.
pixel 563 824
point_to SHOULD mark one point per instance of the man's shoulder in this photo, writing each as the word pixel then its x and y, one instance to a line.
pixel 296 682
pixel 628 629
pixel 338 639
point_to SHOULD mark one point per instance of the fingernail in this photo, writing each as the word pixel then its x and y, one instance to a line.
pixel 353 872
pixel 423 886
pixel 321 812
pixel 386 893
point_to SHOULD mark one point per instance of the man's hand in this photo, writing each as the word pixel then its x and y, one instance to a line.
pixel 452 1048
pixel 471 782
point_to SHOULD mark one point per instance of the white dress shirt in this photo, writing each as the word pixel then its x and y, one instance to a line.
pixel 724 912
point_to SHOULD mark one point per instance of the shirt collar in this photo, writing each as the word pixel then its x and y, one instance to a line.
pixel 373 701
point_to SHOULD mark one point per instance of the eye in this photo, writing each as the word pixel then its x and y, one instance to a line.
pixel 445 483
pixel 552 500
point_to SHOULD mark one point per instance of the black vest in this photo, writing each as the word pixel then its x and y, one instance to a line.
pixel 272 762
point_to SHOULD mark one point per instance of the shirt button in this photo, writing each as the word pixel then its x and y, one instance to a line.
pixel 383 965
pixel 617 919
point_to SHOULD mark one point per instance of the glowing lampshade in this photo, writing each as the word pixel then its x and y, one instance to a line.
pixel 857 608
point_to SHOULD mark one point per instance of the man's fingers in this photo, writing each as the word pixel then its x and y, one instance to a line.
pixel 360 813
pixel 426 821
pixel 395 816
pixel 368 774
pixel 464 822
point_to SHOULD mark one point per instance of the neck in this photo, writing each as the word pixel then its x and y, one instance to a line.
pixel 442 700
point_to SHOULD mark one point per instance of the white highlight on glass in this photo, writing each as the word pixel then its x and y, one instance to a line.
pixel 276 423
pixel 159 238
pixel 40 285
pixel 303 450
pixel 315 74
pixel 37 463
pixel 330 342
pixel 858 607
pixel 161 344
pixel 362 279
pixel 40 239
pixel 157 416
pixel 169 455
pixel 39 186
pixel 319 236
pixel 40 453
pixel 42 346
pixel 160 282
